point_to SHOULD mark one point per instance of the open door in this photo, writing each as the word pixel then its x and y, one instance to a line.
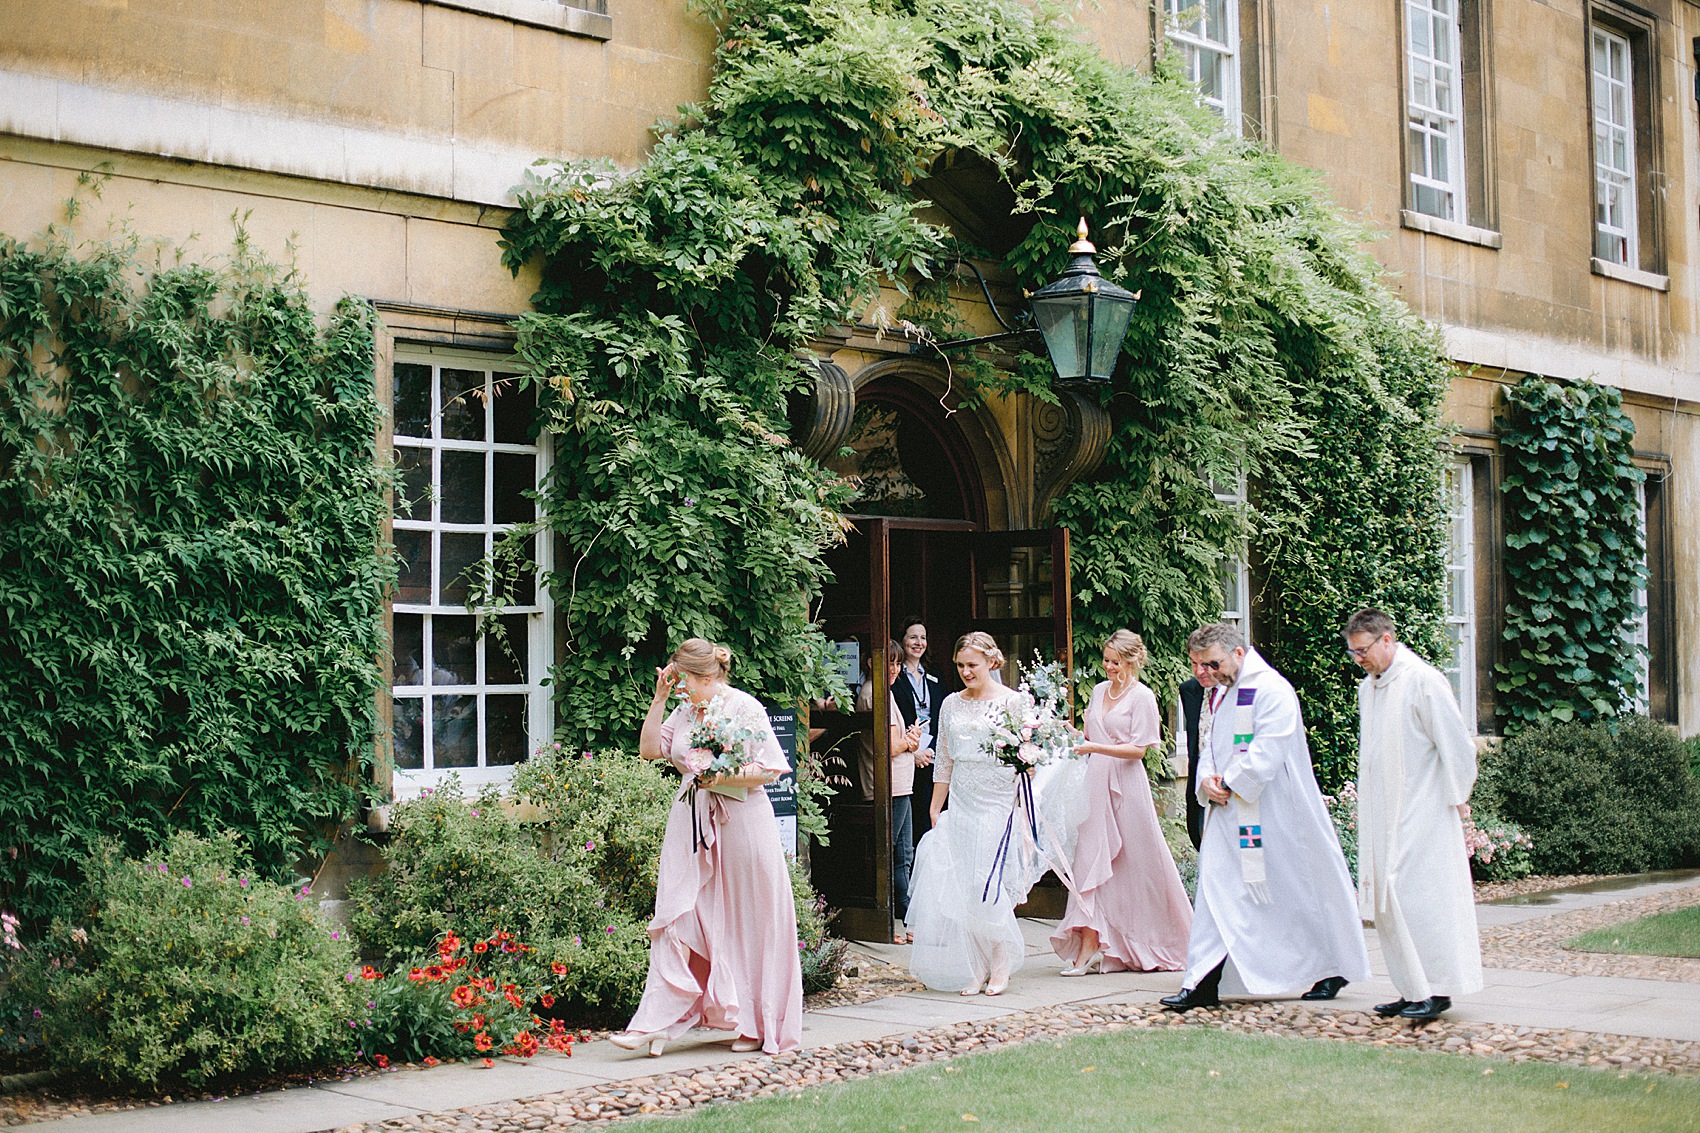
pixel 1011 584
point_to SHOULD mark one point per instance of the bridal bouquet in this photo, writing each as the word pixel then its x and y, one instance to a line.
pixel 720 745
pixel 1033 729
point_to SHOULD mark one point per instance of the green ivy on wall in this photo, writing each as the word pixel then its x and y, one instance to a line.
pixel 676 300
pixel 1574 556
pixel 191 580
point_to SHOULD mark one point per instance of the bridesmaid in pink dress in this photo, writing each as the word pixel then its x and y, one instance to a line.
pixel 723 944
pixel 1129 911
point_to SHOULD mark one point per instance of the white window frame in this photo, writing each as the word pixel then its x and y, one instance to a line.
pixel 1615 204
pixel 409 782
pixel 1184 27
pixel 1461 586
pixel 1435 128
pixel 1239 614
pixel 1638 629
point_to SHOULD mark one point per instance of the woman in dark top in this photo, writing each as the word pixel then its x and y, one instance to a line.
pixel 919 694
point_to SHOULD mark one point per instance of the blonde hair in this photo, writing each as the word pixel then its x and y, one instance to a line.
pixel 1129 646
pixel 982 643
pixel 702 658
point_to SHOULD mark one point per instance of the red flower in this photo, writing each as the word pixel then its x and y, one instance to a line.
pixel 416 974
pixel 430 1061
pixel 546 1000
pixel 489 1062
pixel 558 968
pixel 481 1041
pixel 463 1027
pixel 464 996
pixel 478 1022
pixel 558 1027
pixel 527 1044
pixel 435 973
pixel 449 946
pixel 481 947
pixel 559 1042
pixel 383 1061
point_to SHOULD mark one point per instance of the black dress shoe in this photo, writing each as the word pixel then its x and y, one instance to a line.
pixel 1188 998
pixel 1430 1008
pixel 1388 1010
pixel 1326 988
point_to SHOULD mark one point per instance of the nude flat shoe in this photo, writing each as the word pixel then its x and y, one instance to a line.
pixel 743 1045
pixel 631 1040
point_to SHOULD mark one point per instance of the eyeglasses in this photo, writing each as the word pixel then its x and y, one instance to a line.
pixel 1213 666
pixel 1359 654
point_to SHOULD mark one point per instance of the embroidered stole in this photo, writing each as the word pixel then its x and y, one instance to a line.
pixel 1251 826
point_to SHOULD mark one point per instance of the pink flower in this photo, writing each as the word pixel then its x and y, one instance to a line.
pixel 610 930
pixel 242 881
pixel 162 867
pixel 187 884
pixel 590 845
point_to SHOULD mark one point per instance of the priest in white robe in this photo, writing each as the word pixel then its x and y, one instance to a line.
pixel 1275 912
pixel 1416 766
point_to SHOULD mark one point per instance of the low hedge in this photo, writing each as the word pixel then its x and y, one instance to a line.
pixel 1611 796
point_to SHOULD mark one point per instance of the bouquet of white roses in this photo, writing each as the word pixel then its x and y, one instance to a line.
pixel 720 745
pixel 1033 729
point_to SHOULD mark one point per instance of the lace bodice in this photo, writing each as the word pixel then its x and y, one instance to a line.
pixel 964 727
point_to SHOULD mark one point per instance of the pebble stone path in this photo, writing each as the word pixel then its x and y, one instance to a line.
pixel 1536 945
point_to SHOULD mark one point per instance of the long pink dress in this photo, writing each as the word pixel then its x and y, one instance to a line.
pixel 1126 886
pixel 723 944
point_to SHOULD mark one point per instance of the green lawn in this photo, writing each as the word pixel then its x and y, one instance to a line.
pixel 1208 1080
pixel 1676 933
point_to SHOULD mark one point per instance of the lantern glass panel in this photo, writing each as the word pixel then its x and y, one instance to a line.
pixel 1063 322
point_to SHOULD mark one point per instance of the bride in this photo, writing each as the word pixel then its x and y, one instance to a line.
pixel 962 905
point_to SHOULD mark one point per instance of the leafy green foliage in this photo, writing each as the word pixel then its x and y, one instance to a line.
pixel 676 298
pixel 1601 797
pixel 191 580
pixel 1573 553
pixel 184 966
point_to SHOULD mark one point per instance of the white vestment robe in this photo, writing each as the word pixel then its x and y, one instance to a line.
pixel 1416 765
pixel 1309 928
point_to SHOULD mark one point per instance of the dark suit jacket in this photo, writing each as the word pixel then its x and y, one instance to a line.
pixel 1192 704
pixel 904 694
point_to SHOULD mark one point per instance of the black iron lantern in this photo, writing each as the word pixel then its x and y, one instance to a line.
pixel 1083 317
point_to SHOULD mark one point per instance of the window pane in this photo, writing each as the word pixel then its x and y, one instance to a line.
pixel 454 722
pixel 463 404
pixel 412 400
pixel 525 585
pixel 413 552
pixel 516 474
pixel 409 734
pixel 514 410
pixel 409 649
pixel 463 487
pixel 504 735
pixel 460 551
pixel 413 496
pixel 505 655
pixel 454 660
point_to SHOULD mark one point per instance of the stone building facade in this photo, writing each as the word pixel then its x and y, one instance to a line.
pixel 378 143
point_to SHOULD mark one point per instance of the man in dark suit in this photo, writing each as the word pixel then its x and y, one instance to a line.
pixel 920 695
pixel 1192 703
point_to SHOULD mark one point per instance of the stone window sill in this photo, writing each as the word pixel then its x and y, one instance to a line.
pixel 1629 275
pixel 1451 229
pixel 550 14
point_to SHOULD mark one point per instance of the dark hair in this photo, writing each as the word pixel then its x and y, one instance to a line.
pixel 1371 621
pixel 903 625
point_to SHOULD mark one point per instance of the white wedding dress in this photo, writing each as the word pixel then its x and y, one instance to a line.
pixel 964 892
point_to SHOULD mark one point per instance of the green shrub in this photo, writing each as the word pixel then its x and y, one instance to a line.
pixel 467 866
pixel 1612 796
pixel 1499 850
pixel 1343 810
pixel 184 966
pixel 1181 848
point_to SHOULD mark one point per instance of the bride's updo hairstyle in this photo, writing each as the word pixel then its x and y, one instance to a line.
pixel 702 658
pixel 982 643
pixel 1130 647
